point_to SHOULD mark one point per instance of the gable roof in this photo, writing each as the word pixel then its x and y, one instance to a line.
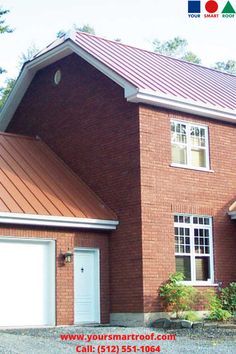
pixel 35 185
pixel 162 74
pixel 146 77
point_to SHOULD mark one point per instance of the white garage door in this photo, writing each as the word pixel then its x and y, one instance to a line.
pixel 27 282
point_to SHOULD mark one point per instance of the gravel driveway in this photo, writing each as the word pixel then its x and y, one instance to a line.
pixel 46 341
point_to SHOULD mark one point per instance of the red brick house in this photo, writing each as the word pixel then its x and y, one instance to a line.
pixel 154 138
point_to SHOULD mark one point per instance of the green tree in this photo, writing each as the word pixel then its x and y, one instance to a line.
pixel 173 47
pixel 3 27
pixel 177 48
pixel 191 57
pixel 5 91
pixel 28 55
pixel 228 66
pixel 10 82
pixel 85 28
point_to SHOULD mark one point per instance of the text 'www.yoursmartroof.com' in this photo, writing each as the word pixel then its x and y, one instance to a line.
pixel 148 343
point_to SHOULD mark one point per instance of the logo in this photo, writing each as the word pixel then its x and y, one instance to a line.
pixel 194 8
pixel 228 11
pixel 210 9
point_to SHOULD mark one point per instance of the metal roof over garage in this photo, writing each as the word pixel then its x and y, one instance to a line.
pixel 36 185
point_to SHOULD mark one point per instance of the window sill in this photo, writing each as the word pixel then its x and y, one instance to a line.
pixel 191 168
pixel 205 283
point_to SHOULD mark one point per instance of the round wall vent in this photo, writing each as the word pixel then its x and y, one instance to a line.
pixel 57 77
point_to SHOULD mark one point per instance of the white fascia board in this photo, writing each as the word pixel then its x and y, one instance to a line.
pixel 182 105
pixel 57 221
pixel 53 55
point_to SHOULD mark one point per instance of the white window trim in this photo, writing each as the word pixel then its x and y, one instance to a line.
pixel 210 281
pixel 188 165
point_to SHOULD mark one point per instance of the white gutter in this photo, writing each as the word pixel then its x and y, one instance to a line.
pixel 183 105
pixel 57 221
pixel 232 214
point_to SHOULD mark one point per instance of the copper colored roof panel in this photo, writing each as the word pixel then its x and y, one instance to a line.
pixel 162 74
pixel 33 180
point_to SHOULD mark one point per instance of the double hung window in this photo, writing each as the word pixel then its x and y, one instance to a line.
pixel 189 144
pixel 193 247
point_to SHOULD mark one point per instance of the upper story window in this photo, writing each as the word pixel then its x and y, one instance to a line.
pixel 193 247
pixel 189 144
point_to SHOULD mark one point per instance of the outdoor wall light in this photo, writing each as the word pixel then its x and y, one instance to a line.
pixel 68 256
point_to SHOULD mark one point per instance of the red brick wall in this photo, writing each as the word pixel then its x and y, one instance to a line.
pixel 87 122
pixel 166 190
pixel 65 272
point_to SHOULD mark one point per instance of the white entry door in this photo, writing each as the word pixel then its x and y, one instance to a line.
pixel 86 285
pixel 27 282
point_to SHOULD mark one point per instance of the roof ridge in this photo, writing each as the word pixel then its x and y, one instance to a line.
pixel 14 135
pixel 153 52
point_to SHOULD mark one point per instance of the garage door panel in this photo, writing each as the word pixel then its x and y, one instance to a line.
pixel 27 283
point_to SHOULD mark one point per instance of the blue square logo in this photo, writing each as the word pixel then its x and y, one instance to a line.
pixel 194 7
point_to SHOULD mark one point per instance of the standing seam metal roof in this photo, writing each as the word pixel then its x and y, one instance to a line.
pixel 162 74
pixel 33 180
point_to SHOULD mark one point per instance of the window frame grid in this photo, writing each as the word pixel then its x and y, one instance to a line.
pixel 189 146
pixel 192 253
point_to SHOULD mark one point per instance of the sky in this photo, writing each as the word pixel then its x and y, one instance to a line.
pixel 136 22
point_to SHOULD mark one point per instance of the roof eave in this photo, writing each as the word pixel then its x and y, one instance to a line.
pixel 57 221
pixel 182 105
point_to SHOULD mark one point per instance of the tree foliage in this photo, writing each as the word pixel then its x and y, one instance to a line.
pixel 228 66
pixel 5 91
pixel 3 27
pixel 85 28
pixel 28 55
pixel 177 48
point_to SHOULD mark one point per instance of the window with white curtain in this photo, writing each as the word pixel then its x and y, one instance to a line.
pixel 189 144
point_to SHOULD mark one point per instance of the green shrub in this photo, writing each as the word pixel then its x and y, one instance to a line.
pixel 228 298
pixel 178 297
pixel 217 313
pixel 192 316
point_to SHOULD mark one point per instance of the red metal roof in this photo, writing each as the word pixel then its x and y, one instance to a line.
pixel 33 180
pixel 162 74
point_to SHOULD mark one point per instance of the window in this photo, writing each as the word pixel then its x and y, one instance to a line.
pixel 189 145
pixel 193 247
